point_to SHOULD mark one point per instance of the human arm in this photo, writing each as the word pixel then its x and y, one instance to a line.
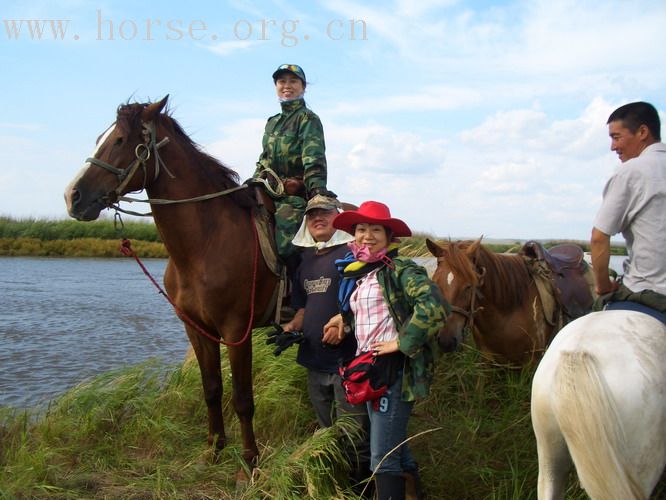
pixel 313 155
pixel 296 324
pixel 426 310
pixel 264 160
pixel 600 252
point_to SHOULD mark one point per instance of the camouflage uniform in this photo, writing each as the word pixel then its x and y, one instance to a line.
pixel 293 146
pixel 419 310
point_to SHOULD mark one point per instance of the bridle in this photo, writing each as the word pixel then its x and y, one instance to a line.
pixel 142 153
pixel 468 314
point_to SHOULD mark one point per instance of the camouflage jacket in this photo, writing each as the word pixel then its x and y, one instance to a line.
pixel 419 310
pixel 293 146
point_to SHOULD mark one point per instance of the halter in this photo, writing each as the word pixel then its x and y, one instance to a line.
pixel 468 327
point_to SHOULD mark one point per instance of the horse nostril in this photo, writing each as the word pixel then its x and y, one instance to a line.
pixel 449 344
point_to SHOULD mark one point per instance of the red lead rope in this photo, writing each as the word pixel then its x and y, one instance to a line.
pixel 126 249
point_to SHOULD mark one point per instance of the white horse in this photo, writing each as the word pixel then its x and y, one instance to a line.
pixel 599 401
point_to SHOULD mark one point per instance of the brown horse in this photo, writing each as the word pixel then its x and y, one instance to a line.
pixel 213 271
pixel 493 296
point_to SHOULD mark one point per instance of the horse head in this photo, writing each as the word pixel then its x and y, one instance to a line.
pixel 113 168
pixel 460 282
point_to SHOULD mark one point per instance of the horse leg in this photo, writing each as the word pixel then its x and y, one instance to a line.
pixel 554 462
pixel 554 459
pixel 240 360
pixel 208 356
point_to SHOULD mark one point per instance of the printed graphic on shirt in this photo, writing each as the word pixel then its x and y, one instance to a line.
pixel 316 286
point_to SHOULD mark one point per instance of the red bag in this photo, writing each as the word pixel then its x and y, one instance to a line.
pixel 363 379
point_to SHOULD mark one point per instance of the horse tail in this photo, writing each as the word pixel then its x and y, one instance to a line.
pixel 589 420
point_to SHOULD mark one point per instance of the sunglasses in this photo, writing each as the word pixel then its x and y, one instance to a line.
pixel 290 67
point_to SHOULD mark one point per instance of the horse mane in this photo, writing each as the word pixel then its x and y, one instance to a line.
pixel 221 177
pixel 506 282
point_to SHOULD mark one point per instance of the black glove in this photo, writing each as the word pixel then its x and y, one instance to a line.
pixel 282 339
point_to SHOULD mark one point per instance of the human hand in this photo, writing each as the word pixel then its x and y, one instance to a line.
pixel 334 330
pixel 381 348
pixel 606 288
pixel 283 339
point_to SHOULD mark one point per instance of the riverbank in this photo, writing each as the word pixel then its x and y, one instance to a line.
pixel 70 238
pixel 140 432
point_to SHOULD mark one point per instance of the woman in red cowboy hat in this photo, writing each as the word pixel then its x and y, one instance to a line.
pixel 395 311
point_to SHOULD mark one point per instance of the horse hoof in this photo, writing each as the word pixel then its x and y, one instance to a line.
pixel 242 479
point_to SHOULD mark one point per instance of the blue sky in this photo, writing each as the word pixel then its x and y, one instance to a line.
pixel 466 118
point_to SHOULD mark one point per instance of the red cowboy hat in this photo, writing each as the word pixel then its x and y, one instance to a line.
pixel 371 212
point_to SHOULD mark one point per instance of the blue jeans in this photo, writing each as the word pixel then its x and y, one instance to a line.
pixel 388 428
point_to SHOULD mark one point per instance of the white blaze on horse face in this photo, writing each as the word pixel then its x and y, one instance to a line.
pixel 449 278
pixel 70 187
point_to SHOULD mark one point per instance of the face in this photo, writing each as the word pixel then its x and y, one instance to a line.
pixel 372 235
pixel 320 223
pixel 457 290
pixel 624 142
pixel 289 86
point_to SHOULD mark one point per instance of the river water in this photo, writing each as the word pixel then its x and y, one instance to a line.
pixel 63 321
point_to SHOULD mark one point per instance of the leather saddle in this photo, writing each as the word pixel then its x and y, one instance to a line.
pixel 570 275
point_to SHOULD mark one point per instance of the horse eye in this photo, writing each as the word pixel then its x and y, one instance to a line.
pixel 118 141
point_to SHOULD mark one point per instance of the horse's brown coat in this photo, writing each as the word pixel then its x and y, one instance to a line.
pixel 509 324
pixel 210 244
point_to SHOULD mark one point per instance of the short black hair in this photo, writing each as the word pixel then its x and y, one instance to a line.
pixel 635 114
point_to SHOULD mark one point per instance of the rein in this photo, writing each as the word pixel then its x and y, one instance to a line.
pixel 126 249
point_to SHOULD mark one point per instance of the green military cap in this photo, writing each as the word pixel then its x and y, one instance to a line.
pixel 294 69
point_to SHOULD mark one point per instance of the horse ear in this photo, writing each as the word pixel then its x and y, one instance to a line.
pixel 153 109
pixel 474 246
pixel 434 248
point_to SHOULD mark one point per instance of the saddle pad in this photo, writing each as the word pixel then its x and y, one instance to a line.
pixel 267 242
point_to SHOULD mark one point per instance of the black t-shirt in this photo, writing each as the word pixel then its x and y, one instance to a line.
pixel 316 289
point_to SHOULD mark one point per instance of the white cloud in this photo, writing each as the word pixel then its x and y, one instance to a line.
pixel 418 9
pixel 426 98
pixel 522 49
pixel 364 161
pixel 532 130
pixel 239 145
pixel 520 174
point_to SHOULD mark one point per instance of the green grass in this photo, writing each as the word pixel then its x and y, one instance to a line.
pixel 140 432
pixel 70 238
pixel 69 229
